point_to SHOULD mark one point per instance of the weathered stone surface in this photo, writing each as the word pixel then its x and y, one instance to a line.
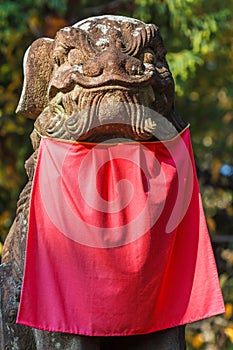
pixel 101 78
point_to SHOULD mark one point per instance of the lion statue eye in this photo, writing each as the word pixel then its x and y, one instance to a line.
pixel 75 57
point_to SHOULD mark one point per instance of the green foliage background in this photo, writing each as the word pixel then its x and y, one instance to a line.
pixel 198 35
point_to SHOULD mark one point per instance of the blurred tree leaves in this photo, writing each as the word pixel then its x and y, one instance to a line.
pixel 199 42
pixel 198 35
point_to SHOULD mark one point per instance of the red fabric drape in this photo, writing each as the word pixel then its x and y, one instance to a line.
pixel 117 241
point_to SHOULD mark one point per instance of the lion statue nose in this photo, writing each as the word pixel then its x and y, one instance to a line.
pixel 113 62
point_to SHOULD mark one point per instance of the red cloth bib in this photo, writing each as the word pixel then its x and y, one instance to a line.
pixel 117 241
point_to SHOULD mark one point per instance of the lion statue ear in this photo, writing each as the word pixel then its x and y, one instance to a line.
pixel 38 66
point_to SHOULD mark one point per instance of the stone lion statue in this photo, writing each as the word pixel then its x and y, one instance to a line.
pixel 102 78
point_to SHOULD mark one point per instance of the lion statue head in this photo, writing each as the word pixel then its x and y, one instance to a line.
pixel 104 77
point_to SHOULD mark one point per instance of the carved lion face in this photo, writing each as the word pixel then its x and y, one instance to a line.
pixel 101 78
